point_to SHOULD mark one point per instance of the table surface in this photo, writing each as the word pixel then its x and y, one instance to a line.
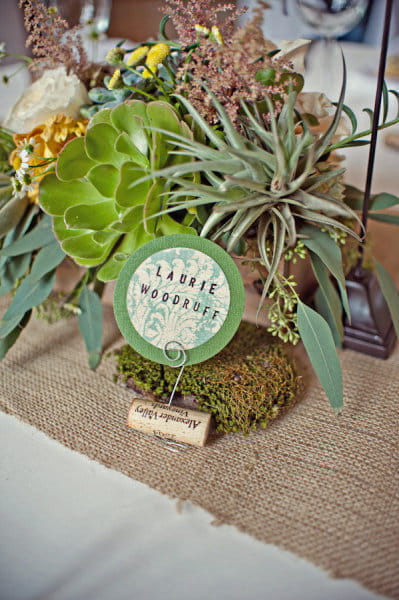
pixel 72 529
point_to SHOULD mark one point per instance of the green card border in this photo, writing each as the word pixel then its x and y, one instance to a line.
pixel 234 315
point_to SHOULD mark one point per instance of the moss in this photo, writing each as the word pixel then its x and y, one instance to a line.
pixel 244 386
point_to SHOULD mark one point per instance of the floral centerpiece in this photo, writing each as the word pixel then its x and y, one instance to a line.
pixel 209 134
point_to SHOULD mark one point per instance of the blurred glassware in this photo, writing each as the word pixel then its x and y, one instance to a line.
pixel 92 15
pixel 329 19
pixel 332 18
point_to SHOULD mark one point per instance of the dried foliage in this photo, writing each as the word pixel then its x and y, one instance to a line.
pixel 186 14
pixel 229 70
pixel 52 42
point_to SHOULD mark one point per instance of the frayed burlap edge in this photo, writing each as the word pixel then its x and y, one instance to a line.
pixel 321 486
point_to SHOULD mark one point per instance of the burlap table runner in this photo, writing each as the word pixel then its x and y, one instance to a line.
pixel 322 486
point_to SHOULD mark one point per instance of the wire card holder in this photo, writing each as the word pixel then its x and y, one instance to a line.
pixel 174 426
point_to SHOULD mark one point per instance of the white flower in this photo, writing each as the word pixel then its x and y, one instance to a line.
pixel 20 188
pixel 313 103
pixel 318 105
pixel 23 166
pixel 55 92
pixel 3 52
pixel 294 51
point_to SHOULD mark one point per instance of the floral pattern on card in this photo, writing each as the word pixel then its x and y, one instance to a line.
pixel 180 295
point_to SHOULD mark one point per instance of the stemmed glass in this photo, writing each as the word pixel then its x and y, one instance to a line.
pixel 95 18
pixel 92 15
pixel 329 19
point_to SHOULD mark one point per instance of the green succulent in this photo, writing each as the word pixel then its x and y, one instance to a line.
pixel 100 216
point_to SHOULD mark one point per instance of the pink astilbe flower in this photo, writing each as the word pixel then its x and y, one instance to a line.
pixel 186 14
pixel 53 43
pixel 229 71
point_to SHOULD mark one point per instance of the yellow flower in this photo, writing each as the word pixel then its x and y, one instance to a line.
pixel 115 55
pixel 115 81
pixel 44 142
pixel 217 36
pixel 202 30
pixel 137 56
pixel 155 57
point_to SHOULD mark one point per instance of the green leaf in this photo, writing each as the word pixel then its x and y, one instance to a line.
pixel 125 145
pixel 324 310
pixel 11 213
pixel 30 293
pixel 390 294
pixel 349 112
pixel 385 102
pixel 135 124
pixel 105 179
pixel 84 216
pixel 266 76
pixel 11 338
pixel 128 194
pixel 162 26
pixel 47 260
pixel 152 207
pixel 321 244
pixel 6 281
pixel 382 201
pixel 384 218
pixel 331 299
pixel 91 324
pixel 131 219
pixel 130 243
pixel 84 248
pixel 73 162
pixel 169 226
pixel 56 196
pixel 39 236
pixel 319 344
pixel 353 197
pixel 18 265
pixel 7 325
pixel 100 143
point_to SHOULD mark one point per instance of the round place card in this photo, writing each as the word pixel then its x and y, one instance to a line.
pixel 179 293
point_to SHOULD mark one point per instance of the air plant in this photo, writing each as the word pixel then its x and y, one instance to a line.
pixel 274 179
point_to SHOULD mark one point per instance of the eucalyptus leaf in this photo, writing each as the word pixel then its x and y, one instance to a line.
pixel 8 324
pixel 354 197
pixel 319 344
pixel 390 293
pixel 47 260
pixel 91 324
pixel 324 310
pixel 384 200
pixel 39 236
pixel 17 266
pixel 30 293
pixel 10 339
pixel 321 244
pixel 11 213
pixel 384 218
pixel 332 302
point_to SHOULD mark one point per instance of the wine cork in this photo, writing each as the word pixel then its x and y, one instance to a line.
pixel 169 421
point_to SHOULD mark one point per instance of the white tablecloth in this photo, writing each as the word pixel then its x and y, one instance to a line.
pixel 71 529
